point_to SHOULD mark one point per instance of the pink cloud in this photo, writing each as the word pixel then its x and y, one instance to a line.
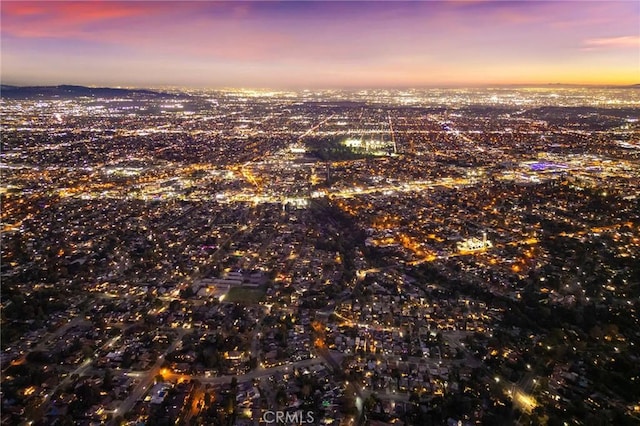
pixel 202 29
pixel 72 12
pixel 71 19
pixel 613 42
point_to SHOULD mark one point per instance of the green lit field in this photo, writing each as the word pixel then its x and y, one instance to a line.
pixel 245 295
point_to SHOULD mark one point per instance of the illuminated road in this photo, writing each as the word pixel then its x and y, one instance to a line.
pixel 316 127
pixel 46 340
pixel 79 371
pixel 409 186
pixel 254 374
pixel 375 327
pixel 149 376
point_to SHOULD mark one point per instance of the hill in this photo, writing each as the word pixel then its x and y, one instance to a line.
pixel 70 91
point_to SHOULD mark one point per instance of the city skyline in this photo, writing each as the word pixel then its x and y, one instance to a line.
pixel 320 45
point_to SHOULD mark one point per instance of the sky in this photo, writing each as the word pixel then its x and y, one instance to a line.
pixel 324 44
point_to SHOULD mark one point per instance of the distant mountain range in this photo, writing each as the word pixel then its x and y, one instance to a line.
pixel 69 91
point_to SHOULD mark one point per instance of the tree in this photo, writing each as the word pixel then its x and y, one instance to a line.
pixel 187 293
pixel 174 306
pixel 107 380
pixel 253 363
pixel 281 396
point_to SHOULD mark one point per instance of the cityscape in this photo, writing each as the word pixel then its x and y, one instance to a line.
pixel 416 257
pixel 320 213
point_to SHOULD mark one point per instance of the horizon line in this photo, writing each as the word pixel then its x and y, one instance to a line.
pixel 327 88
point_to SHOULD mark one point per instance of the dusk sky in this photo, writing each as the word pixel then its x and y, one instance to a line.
pixel 320 44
